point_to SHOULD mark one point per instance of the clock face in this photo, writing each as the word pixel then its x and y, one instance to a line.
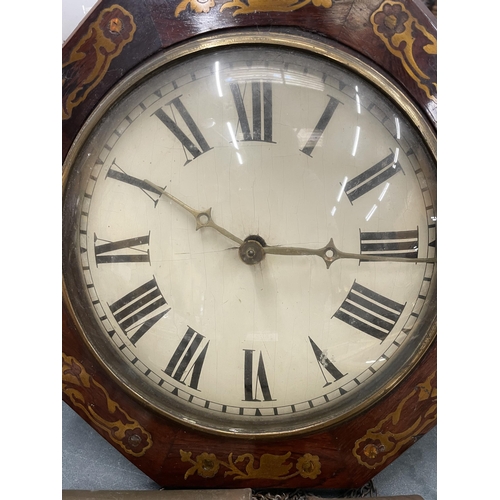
pixel 249 240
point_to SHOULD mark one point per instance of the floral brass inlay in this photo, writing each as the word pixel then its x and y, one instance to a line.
pixel 250 6
pixel 409 41
pixel 393 433
pixel 90 58
pixel 91 397
pixel 269 466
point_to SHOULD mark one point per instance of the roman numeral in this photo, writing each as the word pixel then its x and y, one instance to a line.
pixel 261 378
pixel 188 359
pixel 321 126
pixel 135 311
pixel 373 177
pixel 390 243
pixel 262 111
pixel 116 173
pixel 103 251
pixel 189 145
pixel 369 312
pixel 325 364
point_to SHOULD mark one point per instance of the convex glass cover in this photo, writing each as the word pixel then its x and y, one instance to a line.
pixel 249 240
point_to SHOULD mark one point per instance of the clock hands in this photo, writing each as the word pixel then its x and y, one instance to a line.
pixel 253 249
pixel 203 218
pixel 329 253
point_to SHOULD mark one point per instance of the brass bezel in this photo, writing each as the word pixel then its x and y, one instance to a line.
pixel 309 45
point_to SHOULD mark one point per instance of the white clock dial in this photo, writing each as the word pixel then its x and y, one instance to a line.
pixel 289 151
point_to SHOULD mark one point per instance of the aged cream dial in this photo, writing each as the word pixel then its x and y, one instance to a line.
pixel 194 215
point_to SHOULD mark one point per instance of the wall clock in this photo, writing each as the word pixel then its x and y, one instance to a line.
pixel 249 237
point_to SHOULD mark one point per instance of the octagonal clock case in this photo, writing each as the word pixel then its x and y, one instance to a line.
pixel 249 237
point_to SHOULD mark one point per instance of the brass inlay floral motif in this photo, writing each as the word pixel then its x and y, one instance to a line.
pixel 409 41
pixel 91 398
pixel 269 466
pixel 394 432
pixel 250 6
pixel 197 6
pixel 90 58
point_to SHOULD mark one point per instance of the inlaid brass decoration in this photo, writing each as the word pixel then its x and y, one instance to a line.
pixel 250 6
pixel 394 432
pixel 90 59
pixel 93 400
pixel 409 41
pixel 269 466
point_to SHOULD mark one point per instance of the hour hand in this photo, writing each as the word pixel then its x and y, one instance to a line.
pixel 203 218
pixel 329 253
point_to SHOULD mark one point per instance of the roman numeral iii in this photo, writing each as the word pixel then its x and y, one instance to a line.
pixel 188 359
pixel 137 311
pixel 369 312
pixel 262 111
pixel 390 243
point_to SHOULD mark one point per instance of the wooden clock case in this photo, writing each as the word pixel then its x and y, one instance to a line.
pixel 398 38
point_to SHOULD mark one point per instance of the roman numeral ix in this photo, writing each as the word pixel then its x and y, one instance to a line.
pixel 109 252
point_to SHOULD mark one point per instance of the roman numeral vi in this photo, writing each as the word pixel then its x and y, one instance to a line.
pixel 261 379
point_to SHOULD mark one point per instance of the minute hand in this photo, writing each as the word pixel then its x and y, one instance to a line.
pixel 330 254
